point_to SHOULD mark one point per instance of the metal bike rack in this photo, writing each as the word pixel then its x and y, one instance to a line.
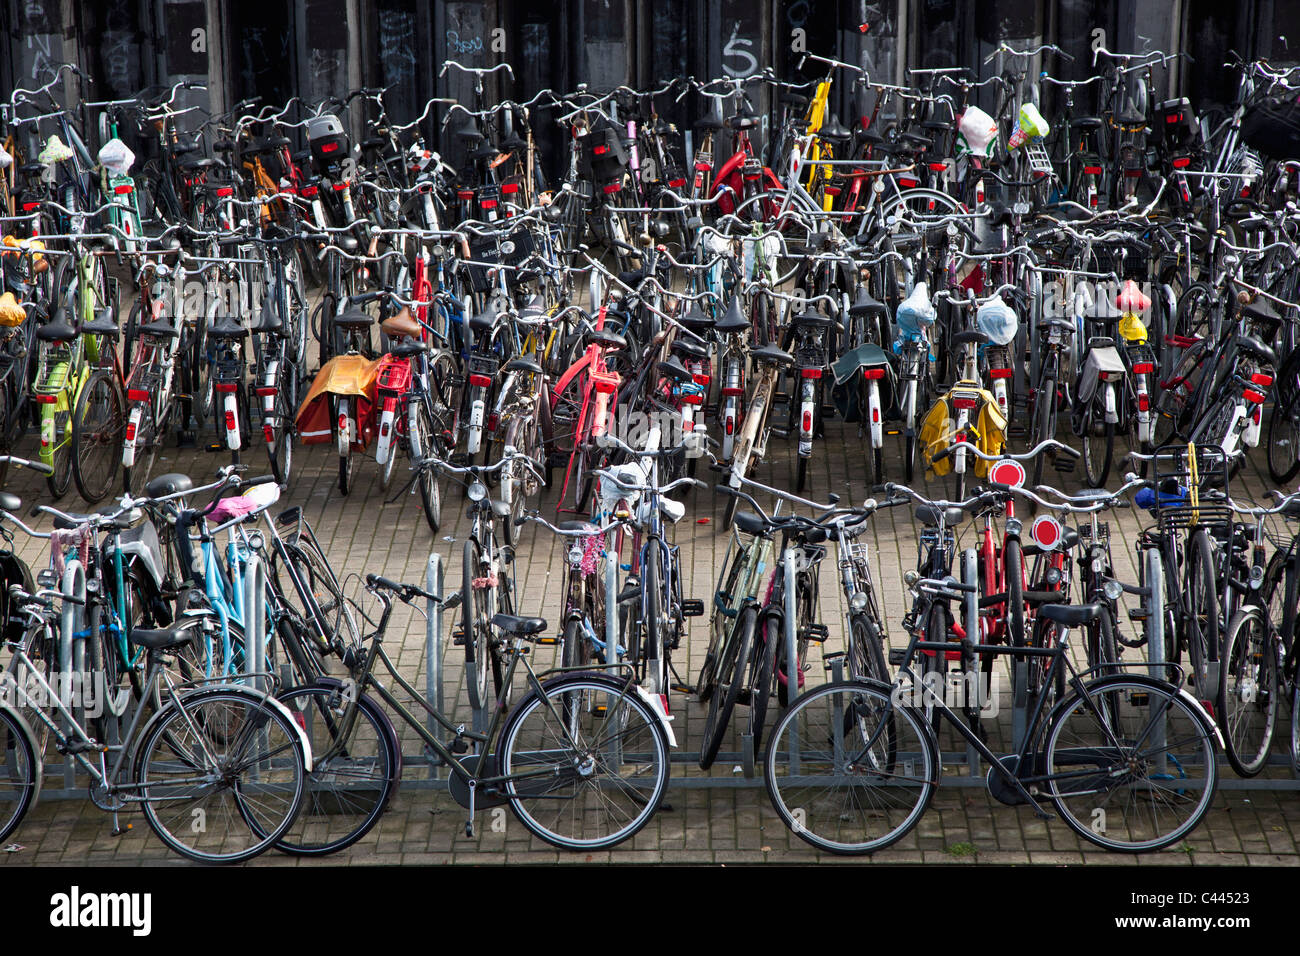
pixel 434 582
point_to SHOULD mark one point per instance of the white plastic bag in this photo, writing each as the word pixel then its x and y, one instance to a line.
pixel 978 129
pixel 116 157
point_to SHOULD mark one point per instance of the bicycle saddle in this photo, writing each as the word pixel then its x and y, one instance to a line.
pixel 524 363
pixel 1070 615
pixel 1262 313
pixel 354 319
pixel 970 336
pixel 870 137
pixel 1253 346
pixel 740 121
pixel 163 328
pixel 770 354
pixel 268 320
pixel 689 348
pixel 916 140
pixel 1086 122
pixel 163 638
pixel 813 320
pixel 710 122
pixel 1055 323
pixel 103 324
pixel 403 323
pixel 484 150
pixel 929 515
pixel 168 484
pixel 834 131
pixel 579 527
pixel 865 304
pixel 673 368
pixel 228 327
pixel 57 329
pixel 512 143
pixel 468 134
pixel 482 321
pixel 633 278
pixel 610 340
pixel 697 319
pixel 734 320
pixel 407 349
pixel 518 626
pixel 10 502
pixel 749 523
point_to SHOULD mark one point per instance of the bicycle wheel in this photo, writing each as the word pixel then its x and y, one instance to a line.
pixel 324 606
pixel 61 453
pixel 592 779
pixel 762 677
pixel 1098 450
pixel 97 431
pixel 20 773
pixel 866 656
pixel 1201 615
pixel 1044 422
pixel 849 772
pixel 478 603
pixel 280 450
pixel 653 603
pixel 1248 690
pixel 1142 778
pixel 425 444
pixel 1283 443
pixel 729 679
pixel 353 777
pixel 224 778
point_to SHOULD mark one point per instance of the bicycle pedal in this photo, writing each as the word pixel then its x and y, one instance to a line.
pixel 215 447
pixel 1064 464
pixel 547 641
pixel 816 633
pixel 896 656
pixel 692 607
pixel 682 688
pixel 781 432
pixel 600 711
pixel 1137 614
pixel 458 637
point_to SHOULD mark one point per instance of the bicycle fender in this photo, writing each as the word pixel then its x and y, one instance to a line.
pixel 656 705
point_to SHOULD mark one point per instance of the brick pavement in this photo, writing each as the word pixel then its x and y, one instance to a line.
pixel 732 824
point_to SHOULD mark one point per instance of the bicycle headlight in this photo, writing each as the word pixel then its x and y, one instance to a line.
pixel 859 601
pixel 1112 590
pixel 1053 576
pixel 477 491
pixel 575 555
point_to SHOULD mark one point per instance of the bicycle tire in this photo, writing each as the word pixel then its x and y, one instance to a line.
pixel 654 650
pixel 21 772
pixel 763 676
pixel 348 791
pixel 97 432
pixel 587 795
pixel 1247 697
pixel 850 806
pixel 215 822
pixel 1075 735
pixel 729 678
pixel 1044 422
pixel 1283 443
pixel 1201 610
pixel 476 626
pixel 425 444
pixel 1098 452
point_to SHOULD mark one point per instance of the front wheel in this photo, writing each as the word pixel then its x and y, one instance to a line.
pixel 223 779
pixel 589 779
pixel 97 431
pixel 1098 450
pixel 1248 691
pixel 847 771
pixel 729 676
pixel 1135 771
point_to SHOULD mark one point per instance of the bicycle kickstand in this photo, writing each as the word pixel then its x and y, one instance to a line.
pixel 469 824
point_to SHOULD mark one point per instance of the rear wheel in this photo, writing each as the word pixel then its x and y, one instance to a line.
pixel 730 675
pixel 1201 616
pixel 97 431
pixel 1097 449
pixel 1248 691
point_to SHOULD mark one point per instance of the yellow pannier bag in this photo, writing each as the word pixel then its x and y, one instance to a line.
pixel 11 313
pixel 988 427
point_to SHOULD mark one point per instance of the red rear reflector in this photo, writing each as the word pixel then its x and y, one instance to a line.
pixel 492 421
pixel 123 189
pixel 328 147
pixel 343 422
pixel 230 422
pixel 701 380
pixel 731 426
pixel 938 167
pixel 1182 162
pixel 692 398
pixel 1092 170
pixel 964 403
pixel 308 191
pixel 1000 372
pixel 339 187
pixel 509 189
pixel 1259 378
pixel 480 381
pixel 266 391
pixel 676 183
pixel 29 206
pixel 810 373
pixel 130 431
pixel 225 387
pixel 828 190
pixel 613 188
pixel 225 191
pixel 269 432
pixel 465 194
pixel 488 204
pixel 600 150
pixel 136 395
pixel 702 167
pixel 873 373
pixel 733 391
pixel 1144 402
pixel 1245 192
pixel 875 415
pixel 51 399
pixel 807 421
pixel 907 183
pixel 604 386
pixel 1143 368
pixel 1173 118
pixel 1253 396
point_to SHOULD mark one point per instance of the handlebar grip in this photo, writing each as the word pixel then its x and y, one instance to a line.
pixel 262 480
pixel 943 453
pixel 520 521
pixel 1074 453
pixel 727 490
